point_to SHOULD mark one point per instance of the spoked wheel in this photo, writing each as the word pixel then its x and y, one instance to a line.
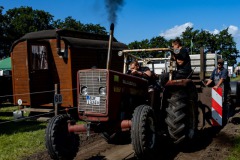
pixel 143 132
pixel 59 142
pixel 181 117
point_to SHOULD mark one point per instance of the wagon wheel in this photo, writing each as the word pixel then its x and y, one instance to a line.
pixel 143 131
pixel 59 142
pixel 181 117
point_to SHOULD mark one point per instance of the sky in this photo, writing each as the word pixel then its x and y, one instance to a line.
pixel 137 20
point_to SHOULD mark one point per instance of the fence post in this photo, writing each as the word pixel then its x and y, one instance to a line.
pixel 202 64
pixel 56 88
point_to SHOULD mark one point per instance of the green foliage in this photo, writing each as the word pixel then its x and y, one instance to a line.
pixel 73 24
pixel 17 22
pixel 221 43
pixel 155 42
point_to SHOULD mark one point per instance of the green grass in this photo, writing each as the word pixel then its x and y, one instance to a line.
pixel 19 139
pixel 235 154
pixel 236 79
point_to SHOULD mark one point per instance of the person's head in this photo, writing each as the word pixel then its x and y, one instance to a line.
pixel 176 44
pixel 134 65
pixel 220 63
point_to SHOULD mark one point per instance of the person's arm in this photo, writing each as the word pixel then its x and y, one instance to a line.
pixel 136 72
pixel 208 82
pixel 219 83
pixel 222 78
pixel 148 73
pixel 211 78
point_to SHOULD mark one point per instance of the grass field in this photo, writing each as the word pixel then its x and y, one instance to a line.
pixel 236 150
pixel 19 138
pixel 236 79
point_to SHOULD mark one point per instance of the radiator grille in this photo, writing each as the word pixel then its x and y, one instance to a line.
pixel 93 80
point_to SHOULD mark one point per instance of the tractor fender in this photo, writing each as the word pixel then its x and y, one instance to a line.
pixel 183 84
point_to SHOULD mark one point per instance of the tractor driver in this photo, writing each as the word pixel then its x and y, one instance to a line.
pixel 144 72
pixel 183 62
pixel 139 71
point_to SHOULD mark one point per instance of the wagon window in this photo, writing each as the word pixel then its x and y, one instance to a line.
pixel 39 57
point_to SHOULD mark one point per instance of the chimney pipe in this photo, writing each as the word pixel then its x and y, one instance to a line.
pixel 110 46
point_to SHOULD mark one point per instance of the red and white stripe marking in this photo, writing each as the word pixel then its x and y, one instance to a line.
pixel 217 100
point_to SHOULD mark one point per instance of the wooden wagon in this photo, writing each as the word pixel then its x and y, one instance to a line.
pixel 41 60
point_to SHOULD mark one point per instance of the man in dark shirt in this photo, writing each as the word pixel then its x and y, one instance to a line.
pixel 183 62
pixel 139 71
pixel 153 88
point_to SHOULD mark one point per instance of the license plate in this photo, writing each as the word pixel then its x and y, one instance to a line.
pixel 93 100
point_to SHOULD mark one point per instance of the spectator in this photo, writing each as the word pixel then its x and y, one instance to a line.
pixel 220 78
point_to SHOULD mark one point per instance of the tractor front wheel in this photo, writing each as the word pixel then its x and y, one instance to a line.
pixel 59 142
pixel 143 132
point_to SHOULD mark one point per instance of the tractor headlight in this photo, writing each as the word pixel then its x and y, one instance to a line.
pixel 102 90
pixel 84 90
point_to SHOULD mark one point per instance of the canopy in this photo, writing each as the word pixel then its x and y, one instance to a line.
pixel 5 64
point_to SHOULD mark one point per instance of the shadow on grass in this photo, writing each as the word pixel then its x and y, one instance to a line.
pixel 10 127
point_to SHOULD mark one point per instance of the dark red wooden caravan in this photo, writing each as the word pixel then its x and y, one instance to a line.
pixel 45 58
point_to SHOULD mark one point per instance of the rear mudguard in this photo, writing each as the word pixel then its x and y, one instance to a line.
pixel 181 84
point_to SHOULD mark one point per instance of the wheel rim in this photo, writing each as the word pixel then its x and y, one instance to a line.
pixel 150 132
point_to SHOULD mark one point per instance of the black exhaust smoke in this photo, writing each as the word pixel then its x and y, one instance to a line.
pixel 113 6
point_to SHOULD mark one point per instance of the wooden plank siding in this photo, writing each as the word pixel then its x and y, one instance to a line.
pixel 62 74
pixel 20 76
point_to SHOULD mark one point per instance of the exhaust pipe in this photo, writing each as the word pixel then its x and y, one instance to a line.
pixel 110 46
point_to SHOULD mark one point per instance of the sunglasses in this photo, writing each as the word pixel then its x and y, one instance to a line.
pixel 220 63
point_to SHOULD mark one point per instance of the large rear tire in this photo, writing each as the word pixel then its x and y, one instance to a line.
pixel 181 117
pixel 143 132
pixel 59 142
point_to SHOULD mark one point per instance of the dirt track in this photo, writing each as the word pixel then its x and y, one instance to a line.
pixel 211 144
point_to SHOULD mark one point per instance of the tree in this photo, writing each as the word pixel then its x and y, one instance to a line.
pixel 155 42
pixel 73 24
pixel 227 47
pixel 19 21
pixel 68 23
pixel 188 39
pixel 1 33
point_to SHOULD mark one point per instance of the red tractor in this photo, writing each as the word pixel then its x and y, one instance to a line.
pixel 114 103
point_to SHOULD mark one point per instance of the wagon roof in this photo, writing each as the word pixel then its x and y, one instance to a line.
pixel 73 38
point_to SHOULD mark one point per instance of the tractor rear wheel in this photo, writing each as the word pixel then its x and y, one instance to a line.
pixel 143 132
pixel 181 117
pixel 59 142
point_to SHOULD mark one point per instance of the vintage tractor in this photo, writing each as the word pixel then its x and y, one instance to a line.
pixel 106 102
pixel 114 103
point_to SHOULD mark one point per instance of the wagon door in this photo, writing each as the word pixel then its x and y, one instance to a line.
pixel 41 83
